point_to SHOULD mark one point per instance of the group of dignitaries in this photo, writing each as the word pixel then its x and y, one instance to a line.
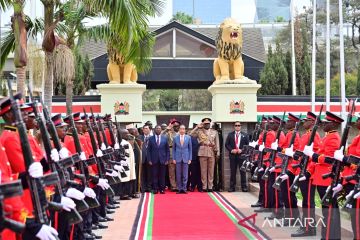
pixel 283 161
pixel 177 159
pixel 59 177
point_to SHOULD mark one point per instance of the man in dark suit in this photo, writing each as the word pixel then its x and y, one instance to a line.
pixel 234 143
pixel 194 168
pixel 158 157
pixel 146 179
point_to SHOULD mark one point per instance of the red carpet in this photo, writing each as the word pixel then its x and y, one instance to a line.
pixel 188 216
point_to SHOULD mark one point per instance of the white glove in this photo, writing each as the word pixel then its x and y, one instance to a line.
pixel 261 147
pixel 89 193
pixel 339 155
pixel 109 147
pixel 116 146
pixel 99 153
pixel 67 203
pixel 54 155
pixel 252 144
pixel 337 189
pixel 308 150
pixel 75 194
pixel 64 153
pixel 289 151
pixel 119 168
pixel 284 177
pixel 356 196
pixel 303 178
pixel 103 147
pixel 349 195
pixel 261 169
pixel 272 169
pixel 123 163
pixel 36 170
pixel 103 183
pixel 82 156
pixel 47 233
pixel 275 145
pixel 114 173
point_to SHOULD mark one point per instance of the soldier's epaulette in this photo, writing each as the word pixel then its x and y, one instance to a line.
pixel 332 131
pixel 10 128
pixel 69 134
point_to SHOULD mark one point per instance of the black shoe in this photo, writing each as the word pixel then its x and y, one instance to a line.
pixel 111 206
pixel 135 196
pixel 231 190
pixel 101 219
pixel 210 190
pixel 110 212
pixel 162 192
pixel 303 233
pixel 116 202
pixel 192 189
pixel 258 204
pixel 174 190
pixel 178 192
pixel 273 216
pixel 95 227
pixel 200 190
pixel 204 190
pixel 260 210
pixel 184 192
pixel 125 198
pixel 88 236
pixel 109 219
pixel 155 192
pixel 96 236
pixel 101 226
pixel 245 189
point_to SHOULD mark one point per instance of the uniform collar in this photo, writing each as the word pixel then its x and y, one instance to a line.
pixel 10 128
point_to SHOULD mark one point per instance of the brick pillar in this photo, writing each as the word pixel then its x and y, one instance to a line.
pixel 246 127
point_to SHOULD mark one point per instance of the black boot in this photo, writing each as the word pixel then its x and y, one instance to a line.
pixel 303 233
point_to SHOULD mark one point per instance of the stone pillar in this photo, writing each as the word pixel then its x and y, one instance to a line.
pixel 233 102
pixel 123 101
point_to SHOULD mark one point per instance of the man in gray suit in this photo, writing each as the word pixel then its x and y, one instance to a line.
pixel 182 156
pixel 146 176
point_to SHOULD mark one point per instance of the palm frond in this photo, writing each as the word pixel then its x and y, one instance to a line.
pixel 7 46
pixel 5 4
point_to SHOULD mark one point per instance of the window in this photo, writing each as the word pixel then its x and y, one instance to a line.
pixel 163 45
pixel 186 46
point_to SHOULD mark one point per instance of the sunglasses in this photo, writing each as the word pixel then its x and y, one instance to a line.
pixel 237 125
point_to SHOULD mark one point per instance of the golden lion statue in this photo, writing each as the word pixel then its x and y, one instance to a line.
pixel 118 71
pixel 229 64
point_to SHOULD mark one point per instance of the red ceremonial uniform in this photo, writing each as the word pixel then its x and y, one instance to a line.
pixel 11 141
pixel 13 206
pixel 108 137
pixel 330 143
pixel 282 144
pixel 316 146
pixel 353 149
pixel 296 147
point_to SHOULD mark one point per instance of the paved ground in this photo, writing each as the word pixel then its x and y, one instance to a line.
pixel 125 216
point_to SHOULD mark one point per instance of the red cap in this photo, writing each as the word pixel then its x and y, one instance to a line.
pixel 292 117
pixel 310 116
pixel 330 117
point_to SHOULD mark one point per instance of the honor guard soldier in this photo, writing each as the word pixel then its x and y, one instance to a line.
pixel 10 140
pixel 209 150
pixel 330 143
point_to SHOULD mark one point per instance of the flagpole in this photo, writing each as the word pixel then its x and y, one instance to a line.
pixel 313 60
pixel 342 60
pixel 327 80
pixel 293 67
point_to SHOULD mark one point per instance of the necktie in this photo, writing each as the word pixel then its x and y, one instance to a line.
pixel 146 141
pixel 158 140
pixel 237 141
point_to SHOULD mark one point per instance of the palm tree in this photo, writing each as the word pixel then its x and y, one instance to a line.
pixel 20 39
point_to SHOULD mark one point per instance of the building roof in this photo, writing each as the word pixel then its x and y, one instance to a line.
pixel 253 44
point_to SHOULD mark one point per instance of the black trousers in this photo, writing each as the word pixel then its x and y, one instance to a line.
pixel 308 202
pixel 289 198
pixel 274 198
pixel 194 175
pixel 158 175
pixel 354 212
pixel 101 197
pixel 262 198
pixel 332 228
pixel 146 178
pixel 218 184
pixel 235 164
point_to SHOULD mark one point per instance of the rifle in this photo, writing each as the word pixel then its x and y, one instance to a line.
pixel 273 152
pixel 112 137
pixel 121 151
pixel 100 166
pixel 73 216
pixel 63 166
pixel 247 151
pixel 285 158
pixel 337 166
pixel 251 156
pixel 92 202
pixel 305 159
pixel 260 156
pixel 348 205
pixel 9 190
pixel 36 185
